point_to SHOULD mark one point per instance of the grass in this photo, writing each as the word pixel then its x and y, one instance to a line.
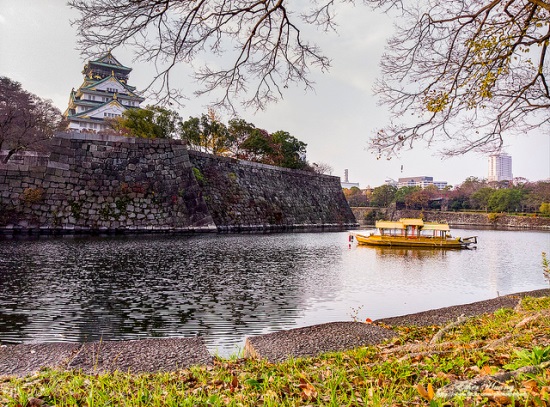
pixel 410 370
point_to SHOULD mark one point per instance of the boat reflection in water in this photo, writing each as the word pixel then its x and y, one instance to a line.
pixel 417 253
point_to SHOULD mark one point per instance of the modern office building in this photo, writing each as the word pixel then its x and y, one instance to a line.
pixel 104 94
pixel 500 168
pixel 422 182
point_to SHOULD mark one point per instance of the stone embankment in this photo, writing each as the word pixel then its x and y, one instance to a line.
pixel 98 183
pixel 469 219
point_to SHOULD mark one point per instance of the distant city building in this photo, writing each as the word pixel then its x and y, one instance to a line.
pixel 346 184
pixel 104 94
pixel 500 168
pixel 421 182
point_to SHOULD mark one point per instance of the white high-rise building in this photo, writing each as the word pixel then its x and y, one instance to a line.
pixel 500 167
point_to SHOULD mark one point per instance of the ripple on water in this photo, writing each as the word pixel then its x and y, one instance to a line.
pixel 226 287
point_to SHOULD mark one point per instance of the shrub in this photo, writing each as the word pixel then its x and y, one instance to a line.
pixel 33 195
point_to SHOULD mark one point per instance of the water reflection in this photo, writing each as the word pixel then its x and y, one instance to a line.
pixel 417 253
pixel 230 286
pixel 91 288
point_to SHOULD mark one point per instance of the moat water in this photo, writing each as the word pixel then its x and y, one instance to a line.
pixel 227 287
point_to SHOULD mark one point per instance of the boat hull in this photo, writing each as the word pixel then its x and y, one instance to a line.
pixel 403 241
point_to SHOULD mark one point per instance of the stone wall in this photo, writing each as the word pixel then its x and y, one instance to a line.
pixel 246 195
pixel 470 219
pixel 107 183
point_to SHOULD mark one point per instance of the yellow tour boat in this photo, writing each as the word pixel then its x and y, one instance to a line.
pixel 408 232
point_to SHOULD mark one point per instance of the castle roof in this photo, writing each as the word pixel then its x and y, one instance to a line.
pixel 87 113
pixel 93 84
pixel 109 61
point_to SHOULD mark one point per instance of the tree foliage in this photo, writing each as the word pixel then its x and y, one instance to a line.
pixel 290 152
pixel 383 195
pixel 355 196
pixel 207 134
pixel 26 120
pixel 151 122
pixel 464 70
pixel 243 140
pixel 472 195
pixel 505 200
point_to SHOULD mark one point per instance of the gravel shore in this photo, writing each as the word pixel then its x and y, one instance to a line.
pixel 154 355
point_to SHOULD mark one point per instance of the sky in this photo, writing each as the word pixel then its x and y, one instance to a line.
pixel 38 48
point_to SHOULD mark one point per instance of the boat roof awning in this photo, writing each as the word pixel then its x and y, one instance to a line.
pixel 384 224
pixel 436 226
pixel 411 222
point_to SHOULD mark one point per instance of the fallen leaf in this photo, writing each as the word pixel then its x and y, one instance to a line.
pixel 486 370
pixel 308 390
pixel 423 392
pixel 530 385
pixel 431 392
pixel 234 384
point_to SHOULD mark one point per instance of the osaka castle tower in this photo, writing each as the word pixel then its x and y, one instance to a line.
pixel 104 94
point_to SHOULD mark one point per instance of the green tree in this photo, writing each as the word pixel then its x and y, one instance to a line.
pixel 258 146
pixel 355 196
pixel 545 208
pixel 150 122
pixel 383 195
pixel 239 131
pixel 290 152
pixel 538 193
pixel 505 200
pixel 480 198
pixel 207 134
pixel 402 193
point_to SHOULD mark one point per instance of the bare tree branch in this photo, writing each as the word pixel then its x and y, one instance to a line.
pixel 464 71
pixel 258 43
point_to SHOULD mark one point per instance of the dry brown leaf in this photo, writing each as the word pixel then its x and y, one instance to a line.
pixel 431 392
pixel 234 384
pixel 423 392
pixel 530 385
pixel 496 396
pixel 308 391
pixel 486 370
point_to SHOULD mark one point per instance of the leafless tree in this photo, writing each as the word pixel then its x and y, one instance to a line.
pixel 26 121
pixel 322 168
pixel 464 73
pixel 263 40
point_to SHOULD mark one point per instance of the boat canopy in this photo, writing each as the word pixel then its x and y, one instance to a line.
pixel 385 224
pixel 405 222
pixel 436 226
pixel 411 222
